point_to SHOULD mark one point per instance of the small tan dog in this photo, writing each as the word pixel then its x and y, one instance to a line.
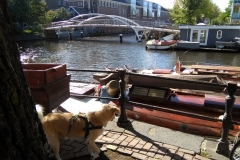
pixel 60 125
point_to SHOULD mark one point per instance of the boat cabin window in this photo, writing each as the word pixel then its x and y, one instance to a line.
pixel 219 34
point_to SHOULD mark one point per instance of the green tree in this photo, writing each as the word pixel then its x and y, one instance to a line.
pixel 21 132
pixel 61 14
pixel 189 11
pixel 31 12
pixel 223 17
pixel 50 15
pixel 212 12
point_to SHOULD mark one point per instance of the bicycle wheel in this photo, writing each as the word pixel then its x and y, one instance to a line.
pixel 235 151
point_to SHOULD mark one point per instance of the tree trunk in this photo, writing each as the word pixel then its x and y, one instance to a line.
pixel 21 132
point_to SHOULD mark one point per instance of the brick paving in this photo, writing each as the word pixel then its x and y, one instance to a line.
pixel 127 144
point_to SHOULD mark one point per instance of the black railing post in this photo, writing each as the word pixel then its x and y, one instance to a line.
pixel 122 120
pixel 223 145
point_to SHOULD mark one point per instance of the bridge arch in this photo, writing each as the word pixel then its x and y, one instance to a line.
pixel 123 20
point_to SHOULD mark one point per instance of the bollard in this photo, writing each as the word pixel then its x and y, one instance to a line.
pixel 81 34
pixel 70 36
pixel 122 120
pixel 120 36
pixel 223 145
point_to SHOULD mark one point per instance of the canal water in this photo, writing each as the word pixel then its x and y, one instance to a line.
pixel 107 51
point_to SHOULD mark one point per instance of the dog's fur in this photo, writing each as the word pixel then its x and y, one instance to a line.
pixel 56 125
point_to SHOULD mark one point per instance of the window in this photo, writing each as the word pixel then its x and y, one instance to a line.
pixel 93 10
pixel 64 2
pixel 59 2
pixel 100 3
pixel 235 9
pixel 109 4
pixel 219 34
pixel 93 3
pixel 119 10
pixel 106 4
pixel 80 4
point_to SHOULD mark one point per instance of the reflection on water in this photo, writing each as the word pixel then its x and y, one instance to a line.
pixel 101 52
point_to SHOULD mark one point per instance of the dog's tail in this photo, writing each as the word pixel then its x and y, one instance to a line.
pixel 40 110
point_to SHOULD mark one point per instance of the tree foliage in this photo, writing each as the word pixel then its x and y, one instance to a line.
pixel 61 14
pixel 31 12
pixel 190 11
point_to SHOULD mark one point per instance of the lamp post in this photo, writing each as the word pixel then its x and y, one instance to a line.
pixel 223 145
pixel 122 120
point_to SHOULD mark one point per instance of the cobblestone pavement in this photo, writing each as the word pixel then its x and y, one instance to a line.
pixel 137 146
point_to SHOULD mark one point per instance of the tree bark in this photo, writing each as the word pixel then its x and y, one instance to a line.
pixel 21 133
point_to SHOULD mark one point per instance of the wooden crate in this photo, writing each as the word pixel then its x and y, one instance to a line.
pixel 49 84
pixel 42 74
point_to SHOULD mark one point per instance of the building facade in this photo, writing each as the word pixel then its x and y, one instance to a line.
pixel 235 12
pixel 141 11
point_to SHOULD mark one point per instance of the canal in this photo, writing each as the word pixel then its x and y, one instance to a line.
pixel 107 51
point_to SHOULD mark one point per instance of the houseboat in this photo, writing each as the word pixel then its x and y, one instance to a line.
pixel 205 36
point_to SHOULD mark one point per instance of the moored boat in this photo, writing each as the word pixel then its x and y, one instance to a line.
pixel 166 42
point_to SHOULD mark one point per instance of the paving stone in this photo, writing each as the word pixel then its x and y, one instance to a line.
pixel 200 157
pixel 123 144
pixel 187 151
pixel 156 146
pixel 158 156
pixel 187 156
pixel 110 135
pixel 84 149
pixel 112 147
pixel 69 142
pixel 103 148
pixel 150 158
pixel 178 155
pixel 168 155
pixel 116 142
pixel 68 156
pixel 133 143
pixel 116 136
pixel 76 149
pixel 170 146
pixel 105 133
pixel 120 149
pixel 128 139
pixel 63 152
pixel 151 154
pixel 162 150
pixel 66 147
pixel 108 140
pixel 147 146
pixel 139 156
pixel 122 137
pixel 142 142
pixel 125 151
pixel 78 145
pixel 143 152
pixel 82 153
pixel 100 141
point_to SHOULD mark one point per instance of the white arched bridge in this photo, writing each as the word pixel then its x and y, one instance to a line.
pixel 102 20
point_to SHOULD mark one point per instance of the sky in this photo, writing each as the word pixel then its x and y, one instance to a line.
pixel 222 4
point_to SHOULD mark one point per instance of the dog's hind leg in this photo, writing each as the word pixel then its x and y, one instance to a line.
pixel 53 140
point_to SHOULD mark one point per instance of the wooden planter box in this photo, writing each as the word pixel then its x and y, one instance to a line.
pixel 49 84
